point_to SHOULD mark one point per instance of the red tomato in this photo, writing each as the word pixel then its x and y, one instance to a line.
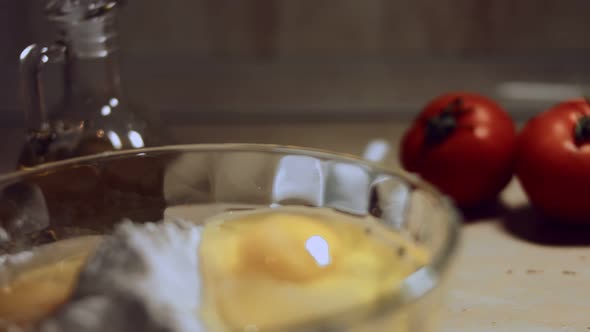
pixel 553 163
pixel 464 144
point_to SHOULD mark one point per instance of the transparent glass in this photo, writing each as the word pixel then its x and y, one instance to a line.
pixel 93 115
pixel 89 195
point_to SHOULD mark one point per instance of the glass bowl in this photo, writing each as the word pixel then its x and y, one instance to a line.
pixel 89 195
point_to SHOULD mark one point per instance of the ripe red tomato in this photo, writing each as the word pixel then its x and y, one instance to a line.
pixel 464 144
pixel 553 163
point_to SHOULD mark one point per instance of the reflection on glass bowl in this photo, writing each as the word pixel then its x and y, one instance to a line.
pixel 87 197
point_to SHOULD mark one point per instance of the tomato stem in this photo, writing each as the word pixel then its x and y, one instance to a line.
pixel 582 130
pixel 441 126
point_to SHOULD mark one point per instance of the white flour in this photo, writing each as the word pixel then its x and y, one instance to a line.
pixel 143 278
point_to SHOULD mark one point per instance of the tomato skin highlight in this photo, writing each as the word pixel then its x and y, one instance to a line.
pixel 475 161
pixel 553 166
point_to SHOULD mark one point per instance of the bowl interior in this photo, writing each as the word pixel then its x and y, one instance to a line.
pixel 90 195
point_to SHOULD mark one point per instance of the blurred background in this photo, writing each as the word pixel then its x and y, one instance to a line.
pixel 225 61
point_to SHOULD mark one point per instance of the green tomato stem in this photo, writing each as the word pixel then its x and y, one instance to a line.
pixel 582 130
pixel 441 126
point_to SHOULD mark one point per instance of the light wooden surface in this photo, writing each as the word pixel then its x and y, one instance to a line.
pixel 513 273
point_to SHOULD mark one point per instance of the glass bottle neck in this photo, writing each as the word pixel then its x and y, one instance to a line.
pixel 91 67
pixel 92 77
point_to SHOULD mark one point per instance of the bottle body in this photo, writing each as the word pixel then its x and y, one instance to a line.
pixel 94 115
pixel 85 125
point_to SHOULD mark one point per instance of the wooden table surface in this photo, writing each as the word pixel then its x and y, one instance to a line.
pixel 514 273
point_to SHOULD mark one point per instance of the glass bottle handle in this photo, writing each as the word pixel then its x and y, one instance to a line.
pixel 32 62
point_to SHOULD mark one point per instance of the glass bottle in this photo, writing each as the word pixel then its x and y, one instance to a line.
pixel 93 115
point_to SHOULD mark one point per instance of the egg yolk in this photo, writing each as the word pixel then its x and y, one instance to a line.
pixel 40 291
pixel 39 285
pixel 273 269
pixel 289 248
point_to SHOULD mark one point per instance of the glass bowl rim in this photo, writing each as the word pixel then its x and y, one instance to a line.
pixel 438 266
